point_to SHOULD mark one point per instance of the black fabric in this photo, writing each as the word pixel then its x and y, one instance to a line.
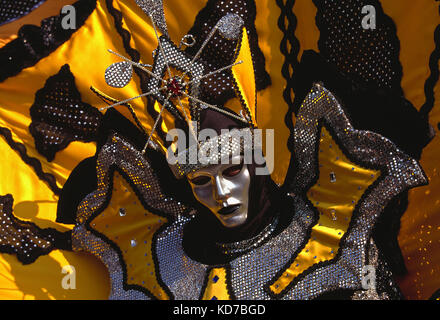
pixel 386 232
pixel 12 9
pixel 34 43
pixel 220 52
pixel 203 232
pixel 289 47
pixel 83 179
pixel 32 162
pixel 433 78
pixel 81 182
pixel 378 110
pixel 25 239
pixel 59 116
pixel 436 295
pixel 366 55
pixel 385 283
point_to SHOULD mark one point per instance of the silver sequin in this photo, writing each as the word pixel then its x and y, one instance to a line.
pixel 230 26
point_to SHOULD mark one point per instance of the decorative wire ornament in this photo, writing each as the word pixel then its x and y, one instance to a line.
pixel 176 86
pixel 184 42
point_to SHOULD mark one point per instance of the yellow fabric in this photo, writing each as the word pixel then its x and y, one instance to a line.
pixel 216 286
pixel 335 201
pixel 8 31
pixel 244 75
pixel 34 201
pixel 139 225
pixel 419 236
pixel 415 22
pixel 271 107
pixel 86 53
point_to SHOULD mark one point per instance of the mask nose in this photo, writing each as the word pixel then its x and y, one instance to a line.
pixel 221 191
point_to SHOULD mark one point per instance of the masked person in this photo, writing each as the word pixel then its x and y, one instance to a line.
pixel 196 217
pixel 239 208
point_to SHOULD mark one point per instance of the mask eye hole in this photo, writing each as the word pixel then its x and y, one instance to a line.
pixel 200 180
pixel 232 171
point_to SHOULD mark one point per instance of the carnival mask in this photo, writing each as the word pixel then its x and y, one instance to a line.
pixel 223 189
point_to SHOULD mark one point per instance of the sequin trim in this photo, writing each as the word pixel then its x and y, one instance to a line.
pixel 399 173
pixel 120 154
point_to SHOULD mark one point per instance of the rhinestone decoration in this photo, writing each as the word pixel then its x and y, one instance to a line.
pixel 84 240
pixel 23 238
pixel 173 56
pixel 117 152
pixel 252 271
pixel 59 116
pixel 400 173
pixel 175 74
pixel 183 276
pixel 381 271
pixel 339 24
pixel 154 9
pixel 243 246
pixel 12 10
pixel 119 74
pixel 230 26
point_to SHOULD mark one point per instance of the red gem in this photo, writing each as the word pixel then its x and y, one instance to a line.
pixel 174 87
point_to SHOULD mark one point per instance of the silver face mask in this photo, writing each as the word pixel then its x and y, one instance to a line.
pixel 224 189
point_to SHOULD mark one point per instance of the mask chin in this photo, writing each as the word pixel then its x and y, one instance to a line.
pixel 234 219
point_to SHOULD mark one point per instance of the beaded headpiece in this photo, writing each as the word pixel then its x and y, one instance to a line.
pixel 180 82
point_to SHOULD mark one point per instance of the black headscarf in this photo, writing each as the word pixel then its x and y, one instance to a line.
pixel 265 202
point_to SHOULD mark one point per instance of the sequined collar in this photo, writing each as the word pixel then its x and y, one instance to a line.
pixel 243 246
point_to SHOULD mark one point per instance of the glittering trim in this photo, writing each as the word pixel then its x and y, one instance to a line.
pixel 215 150
pixel 30 6
pixel 118 154
pixel 84 240
pixel 341 24
pixel 399 173
pixel 373 110
pixel 183 276
pixel 243 246
pixel 251 272
pixel 154 9
pixel 246 275
pixel 25 239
